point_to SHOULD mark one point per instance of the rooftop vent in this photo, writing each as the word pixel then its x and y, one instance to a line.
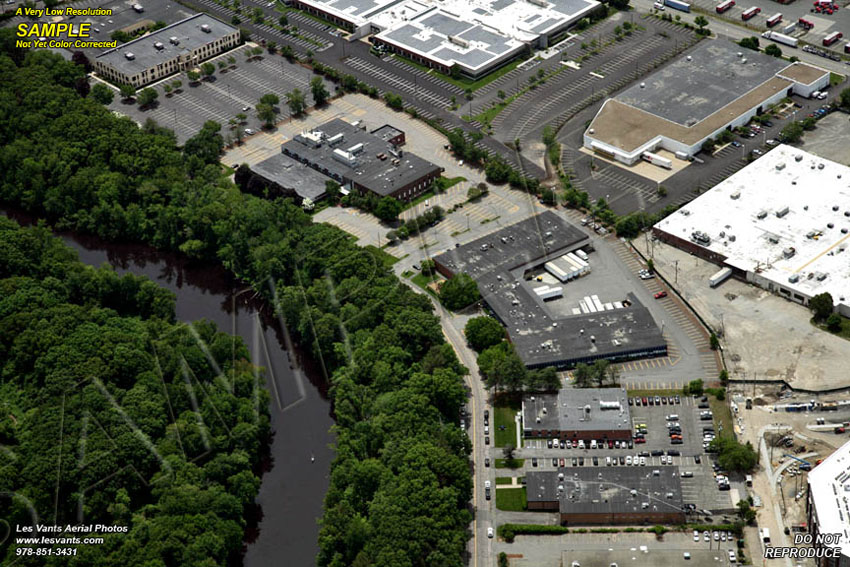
pixel 205 28
pixel 158 46
pixel 173 40
pixel 129 56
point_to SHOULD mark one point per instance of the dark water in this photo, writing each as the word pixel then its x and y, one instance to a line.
pixel 290 498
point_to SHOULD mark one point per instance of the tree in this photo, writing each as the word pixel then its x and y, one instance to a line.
pixel 714 341
pixel 544 379
pixel 296 101
pixel 428 267
pixel 147 97
pixel 833 322
pixel 454 71
pixel 166 89
pixel 844 99
pixel 773 50
pixel 207 144
pixel 501 368
pixel 459 292
pixel 267 114
pixel 332 189
pixel 79 58
pixel 473 193
pixel 283 20
pixel 821 306
pixel 270 99
pixel 394 101
pixel 508 452
pixel 207 70
pixel 695 387
pixel 271 47
pixel 176 85
pixel 483 332
pixel 127 91
pixel 547 196
pixel 388 209
pixel 102 94
pixel 792 132
pixel 193 76
pixel 700 22
pixel 582 375
pixel 287 52
pixel 745 511
pixel 733 456
pixel 318 90
pixel 501 94
pixel 750 43
pixel 621 5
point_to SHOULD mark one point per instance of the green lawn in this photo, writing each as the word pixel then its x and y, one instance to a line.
pixel 462 82
pixel 422 281
pixel 504 480
pixel 504 416
pixel 426 195
pixel 722 415
pixel 446 182
pixel 511 499
pixel 844 332
pixel 387 259
pixel 647 393
pixel 514 464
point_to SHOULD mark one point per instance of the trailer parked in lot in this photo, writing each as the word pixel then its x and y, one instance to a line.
pixel 773 20
pixel 719 277
pixel 750 12
pixel 656 159
pixel 780 38
pixel 678 5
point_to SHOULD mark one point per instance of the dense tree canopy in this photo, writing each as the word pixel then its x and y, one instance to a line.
pixel 400 483
pixel 459 292
pixel 483 332
pixel 104 392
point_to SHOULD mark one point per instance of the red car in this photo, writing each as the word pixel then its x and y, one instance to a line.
pixel 640 440
pixel 561 463
pixel 610 444
pixel 575 443
pixel 643 399
pixel 660 294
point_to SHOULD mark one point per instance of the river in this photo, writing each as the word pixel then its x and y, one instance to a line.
pixel 298 464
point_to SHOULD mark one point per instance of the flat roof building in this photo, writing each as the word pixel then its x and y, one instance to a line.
pixel 180 46
pixel 827 507
pixel 716 86
pixel 618 330
pixel 283 176
pixel 361 161
pixel 476 36
pixel 608 495
pixel 586 414
pixel 782 223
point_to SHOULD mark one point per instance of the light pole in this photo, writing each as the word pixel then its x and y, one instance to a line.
pixel 676 279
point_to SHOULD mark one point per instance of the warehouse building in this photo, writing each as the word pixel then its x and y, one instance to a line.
pixel 477 37
pixel 361 161
pixel 716 86
pixel 599 414
pixel 781 223
pixel 827 508
pixel 543 336
pixel 178 47
pixel 608 496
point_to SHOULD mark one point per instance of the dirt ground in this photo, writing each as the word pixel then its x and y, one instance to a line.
pixel 765 336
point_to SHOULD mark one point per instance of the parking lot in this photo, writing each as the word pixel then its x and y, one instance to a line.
pixel 824 23
pixel 825 139
pixel 229 93
pixel 650 421
pixel 598 549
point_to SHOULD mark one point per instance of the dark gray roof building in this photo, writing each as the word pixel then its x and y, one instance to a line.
pixel 498 262
pixel 362 161
pixel 291 174
pixel 614 495
pixel 577 410
pixel 171 49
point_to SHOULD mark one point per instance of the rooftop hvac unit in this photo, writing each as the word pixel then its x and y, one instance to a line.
pixel 820 276
pixel 173 40
pixel 735 195
pixel 761 214
pixel 158 46
pixel 355 149
pixel 336 138
pixel 780 166
pixel 794 278
pixel 458 41
pixel 139 8
pixel 789 252
pixel 782 212
pixel 205 28
pixel 129 56
pixel 543 3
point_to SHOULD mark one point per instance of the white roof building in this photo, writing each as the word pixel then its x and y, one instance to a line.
pixel 828 505
pixel 782 223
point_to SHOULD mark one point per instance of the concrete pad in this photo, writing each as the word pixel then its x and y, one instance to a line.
pixel 645 169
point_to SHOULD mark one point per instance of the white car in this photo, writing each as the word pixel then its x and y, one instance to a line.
pixel 643 461
pixel 722 536
pixel 732 557
pixel 696 535
pixel 486 484
pixel 716 536
pixel 249 131
pixel 629 460
pixel 490 533
pixel 658 6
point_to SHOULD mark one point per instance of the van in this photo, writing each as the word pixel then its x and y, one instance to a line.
pixel 582 254
pixel 593 444
pixel 687 474
pixel 816 94
pixel 672 417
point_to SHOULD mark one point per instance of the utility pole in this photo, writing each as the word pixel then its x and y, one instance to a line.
pixel 677 272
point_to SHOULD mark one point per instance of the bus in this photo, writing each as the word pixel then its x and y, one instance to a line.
pixel 723 6
pixel 832 38
pixel 773 20
pixel 750 12
pixel 805 24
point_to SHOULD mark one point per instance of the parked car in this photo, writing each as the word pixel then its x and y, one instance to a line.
pixel 534 461
pixel 490 533
pixel 659 295
pixel 554 461
pixel 486 461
